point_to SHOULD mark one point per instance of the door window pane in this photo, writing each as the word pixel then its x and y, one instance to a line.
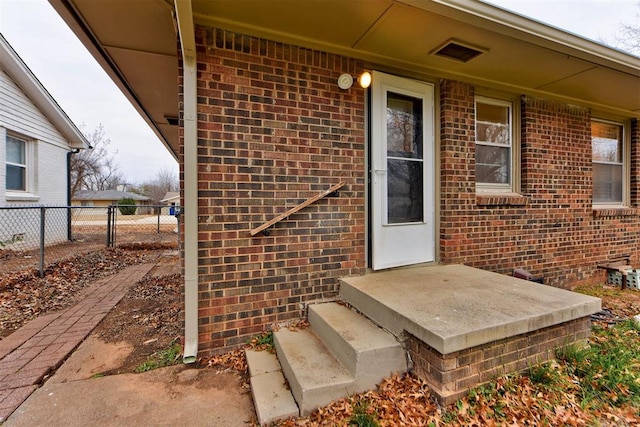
pixel 405 191
pixel 404 159
pixel 404 126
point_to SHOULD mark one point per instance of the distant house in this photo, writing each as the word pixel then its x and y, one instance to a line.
pixel 171 199
pixel 103 199
pixel 36 140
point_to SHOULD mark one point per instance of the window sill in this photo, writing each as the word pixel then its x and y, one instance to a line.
pixel 21 197
pixel 507 199
pixel 613 211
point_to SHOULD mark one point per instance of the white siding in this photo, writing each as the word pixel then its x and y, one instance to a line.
pixel 3 168
pixel 49 164
pixel 19 115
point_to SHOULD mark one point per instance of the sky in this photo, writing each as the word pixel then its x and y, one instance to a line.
pixel 90 98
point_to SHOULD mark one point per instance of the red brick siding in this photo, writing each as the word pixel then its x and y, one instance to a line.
pixel 457 172
pixel 552 230
pixel 452 375
pixel 273 130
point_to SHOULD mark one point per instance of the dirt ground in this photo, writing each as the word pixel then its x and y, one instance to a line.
pixel 147 319
pixel 144 323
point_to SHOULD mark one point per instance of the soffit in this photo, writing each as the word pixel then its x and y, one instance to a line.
pixel 135 41
pixel 400 35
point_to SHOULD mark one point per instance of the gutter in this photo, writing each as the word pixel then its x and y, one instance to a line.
pixel 184 16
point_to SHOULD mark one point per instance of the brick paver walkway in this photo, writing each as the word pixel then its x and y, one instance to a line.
pixel 40 346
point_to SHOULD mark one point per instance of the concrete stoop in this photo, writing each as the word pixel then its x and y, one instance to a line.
pixel 340 354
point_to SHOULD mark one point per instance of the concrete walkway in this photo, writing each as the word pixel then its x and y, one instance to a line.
pixel 34 351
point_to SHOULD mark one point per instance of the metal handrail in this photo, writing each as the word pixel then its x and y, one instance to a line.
pixel 264 227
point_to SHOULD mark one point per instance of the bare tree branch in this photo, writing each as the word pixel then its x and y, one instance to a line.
pixel 95 169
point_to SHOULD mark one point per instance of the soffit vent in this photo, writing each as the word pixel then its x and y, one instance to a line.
pixel 458 51
pixel 173 121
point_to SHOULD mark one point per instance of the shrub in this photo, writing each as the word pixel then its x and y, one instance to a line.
pixel 127 206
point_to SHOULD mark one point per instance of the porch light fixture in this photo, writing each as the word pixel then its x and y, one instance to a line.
pixel 364 80
pixel 345 81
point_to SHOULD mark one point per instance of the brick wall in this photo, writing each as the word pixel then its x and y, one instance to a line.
pixel 552 229
pixel 273 130
pixel 451 376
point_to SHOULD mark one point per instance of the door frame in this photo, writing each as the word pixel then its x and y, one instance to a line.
pixel 427 91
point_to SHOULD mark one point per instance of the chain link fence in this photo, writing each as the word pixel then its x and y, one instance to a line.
pixel 32 237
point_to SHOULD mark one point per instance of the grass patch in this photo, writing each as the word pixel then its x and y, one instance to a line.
pixel 262 342
pixel 608 371
pixel 161 359
pixel 362 416
pixel 544 375
pixel 599 290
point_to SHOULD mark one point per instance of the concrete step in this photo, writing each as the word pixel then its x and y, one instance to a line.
pixel 372 307
pixel 341 354
pixel 367 351
pixel 316 377
pixel 271 397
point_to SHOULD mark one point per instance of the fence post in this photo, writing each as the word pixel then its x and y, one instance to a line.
pixel 178 215
pixel 159 212
pixel 43 211
pixel 69 235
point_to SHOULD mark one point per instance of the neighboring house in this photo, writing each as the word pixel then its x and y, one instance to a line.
pixel 106 198
pixel 171 199
pixel 485 139
pixel 36 140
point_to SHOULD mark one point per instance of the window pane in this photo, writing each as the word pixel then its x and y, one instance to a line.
pixel 492 164
pixel 404 126
pixel 16 178
pixel 15 150
pixel 607 183
pixel 606 142
pixel 404 191
pixel 492 123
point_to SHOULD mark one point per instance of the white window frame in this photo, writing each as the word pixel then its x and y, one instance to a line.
pixel 514 167
pixel 626 171
pixel 29 192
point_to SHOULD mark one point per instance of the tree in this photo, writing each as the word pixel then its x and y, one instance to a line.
pixel 95 168
pixel 156 188
pixel 127 206
pixel 628 37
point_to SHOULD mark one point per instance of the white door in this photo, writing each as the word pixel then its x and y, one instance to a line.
pixel 402 163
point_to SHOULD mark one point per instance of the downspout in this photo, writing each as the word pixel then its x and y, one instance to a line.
pixel 184 16
pixel 69 154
